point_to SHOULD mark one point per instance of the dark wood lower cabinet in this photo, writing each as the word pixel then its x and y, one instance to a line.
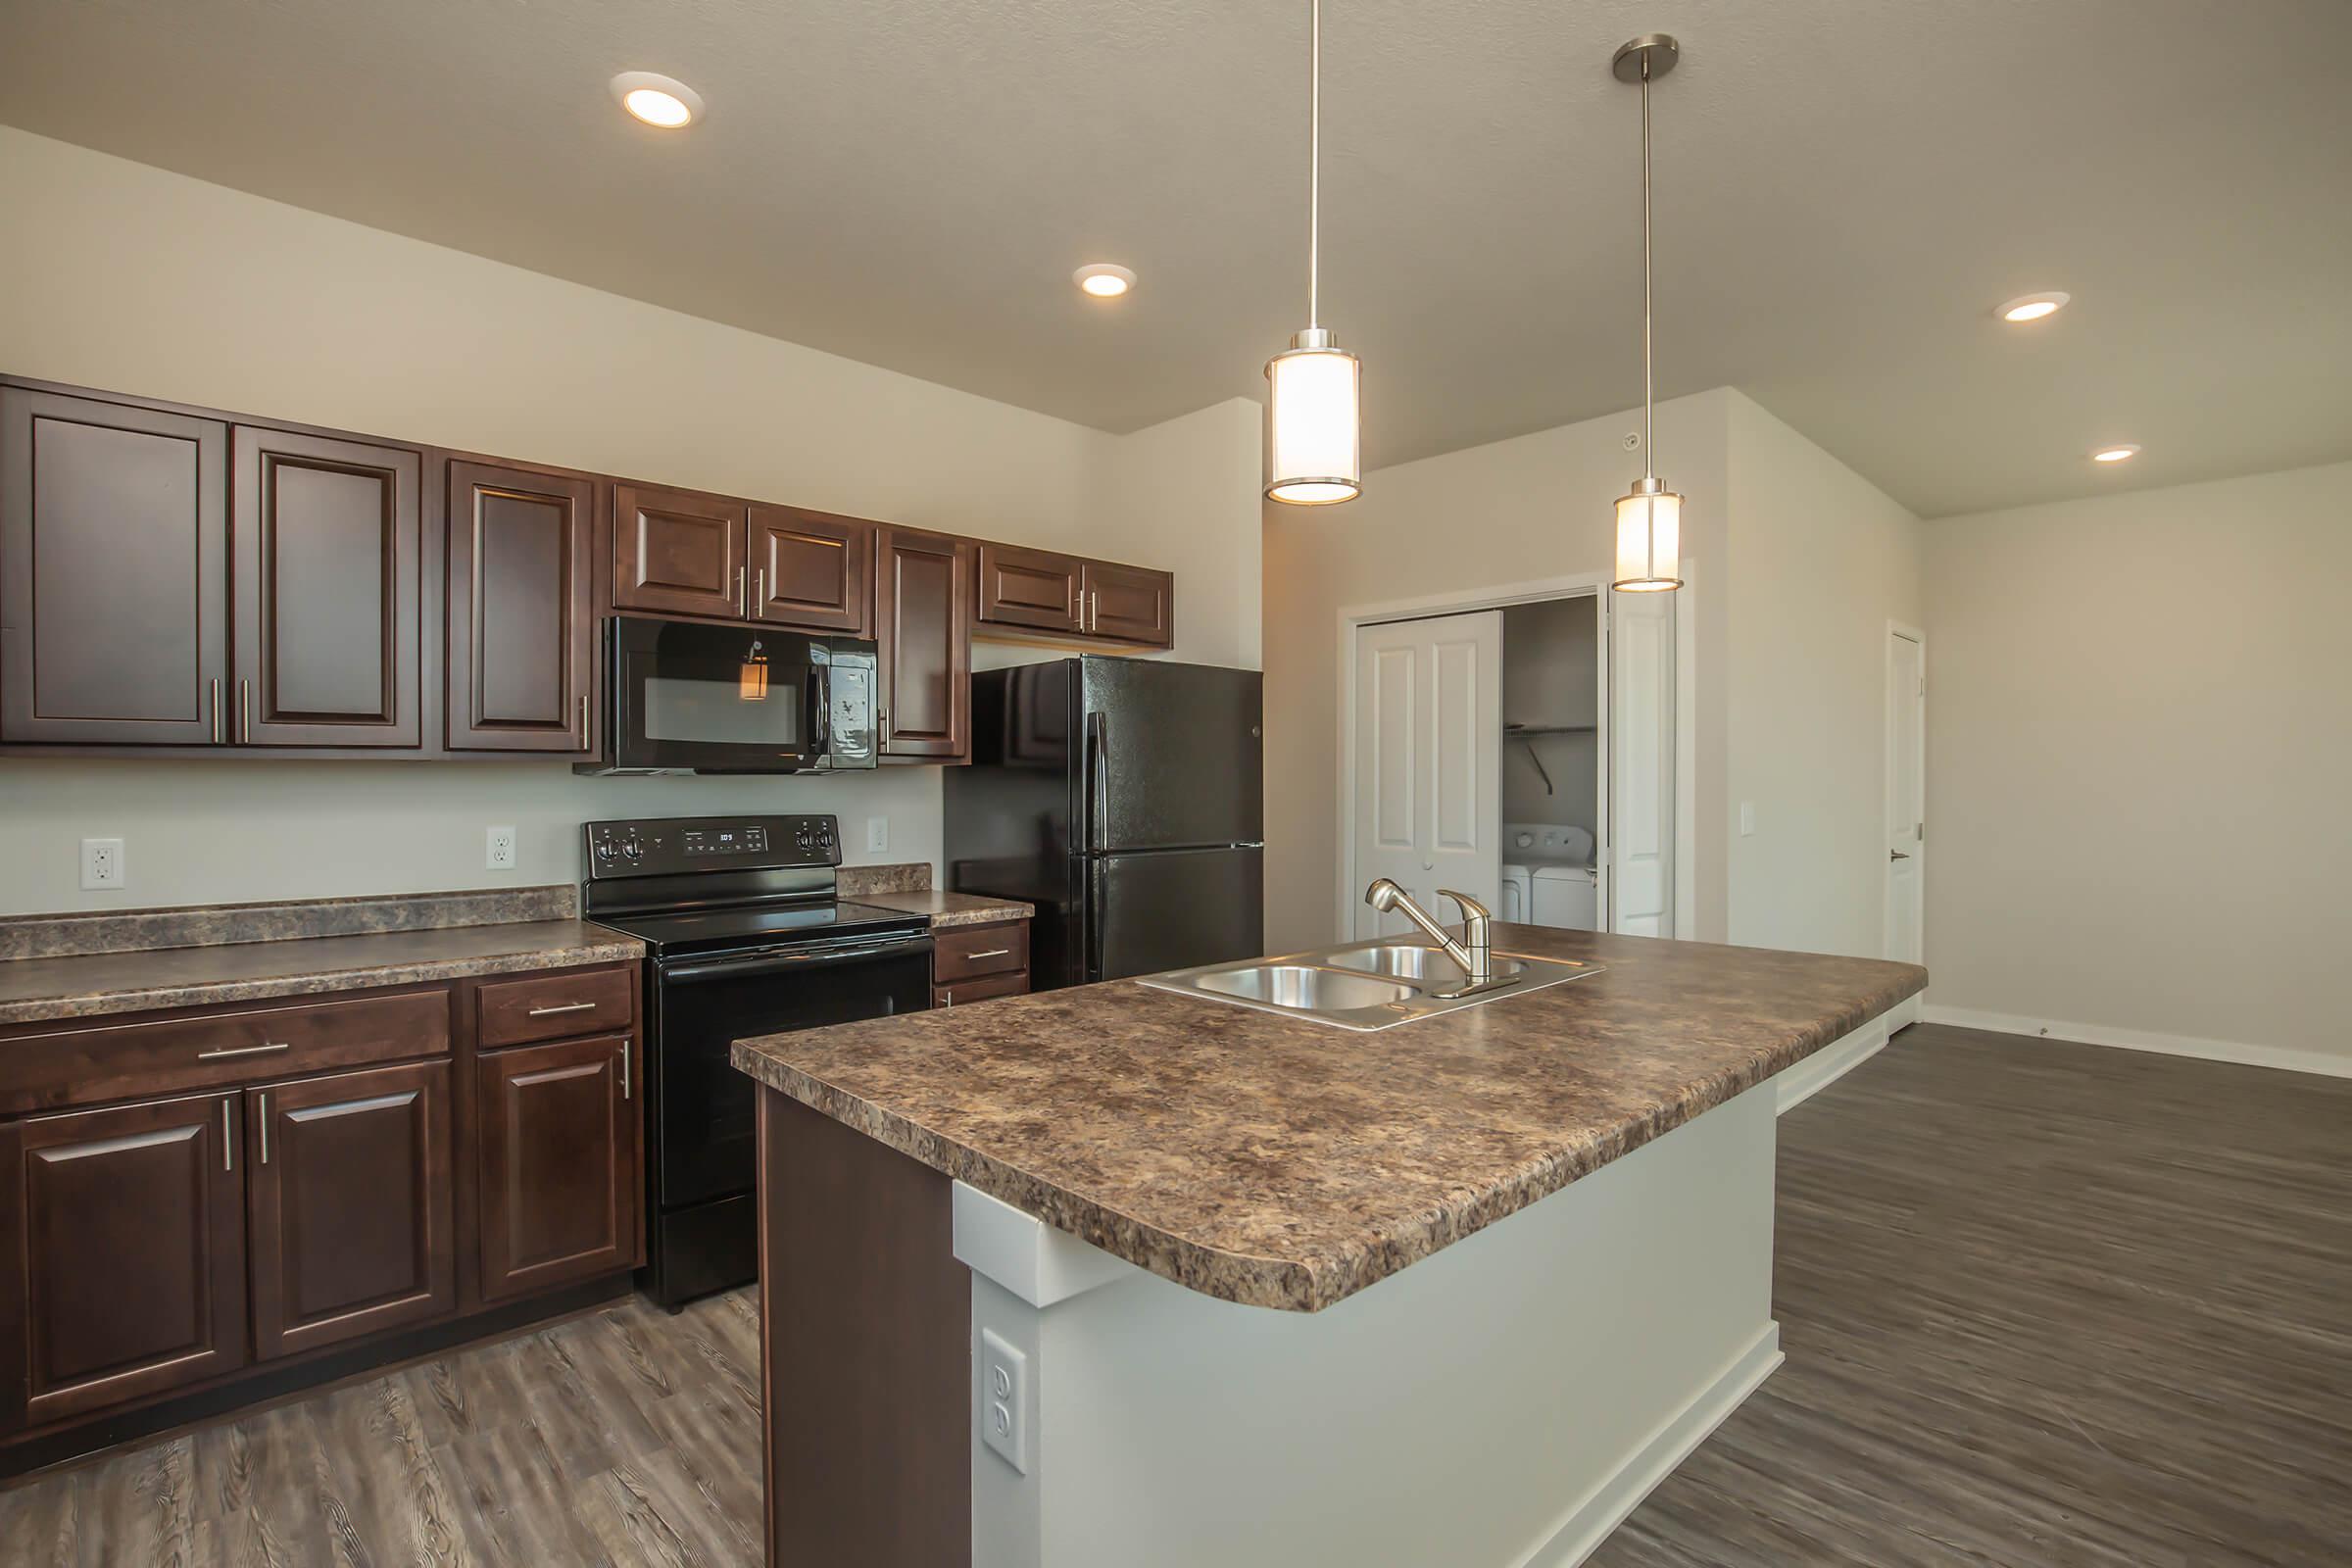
pixel 560 1139
pixel 352 1220
pixel 133 1254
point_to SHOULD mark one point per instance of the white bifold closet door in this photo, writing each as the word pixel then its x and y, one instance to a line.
pixel 1428 763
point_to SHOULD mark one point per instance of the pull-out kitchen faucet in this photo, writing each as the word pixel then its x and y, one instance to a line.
pixel 1473 952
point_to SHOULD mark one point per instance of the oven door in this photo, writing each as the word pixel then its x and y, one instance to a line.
pixel 704 1144
pixel 689 697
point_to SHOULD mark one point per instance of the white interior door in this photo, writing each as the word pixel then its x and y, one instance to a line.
pixel 1428 750
pixel 1906 804
pixel 1641 753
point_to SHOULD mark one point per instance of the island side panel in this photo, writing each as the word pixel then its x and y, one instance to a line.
pixel 864 1323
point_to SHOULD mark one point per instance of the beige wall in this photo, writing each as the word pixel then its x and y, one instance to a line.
pixel 122 277
pixel 2139 743
pixel 1821 561
pixel 1489 518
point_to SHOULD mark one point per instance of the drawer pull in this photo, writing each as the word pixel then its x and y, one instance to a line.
pixel 229 1146
pixel 243 1050
pixel 992 953
pixel 568 1007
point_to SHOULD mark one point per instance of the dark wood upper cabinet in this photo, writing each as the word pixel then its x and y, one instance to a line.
pixel 133 1254
pixel 349 1192
pixel 677 553
pixel 114 585
pixel 559 1151
pixel 923 631
pixel 521 610
pixel 1131 603
pixel 324 537
pixel 812 570
pixel 1035 589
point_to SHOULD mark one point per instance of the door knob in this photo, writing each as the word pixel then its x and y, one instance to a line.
pixel 1896 855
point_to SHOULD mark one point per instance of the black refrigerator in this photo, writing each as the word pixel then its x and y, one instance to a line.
pixel 1125 799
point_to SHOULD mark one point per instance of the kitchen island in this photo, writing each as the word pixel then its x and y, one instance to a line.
pixel 1118 1275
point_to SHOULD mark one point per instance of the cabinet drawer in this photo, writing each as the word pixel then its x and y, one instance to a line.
pixel 968 953
pixel 555 1007
pixel 969 991
pixel 118 1061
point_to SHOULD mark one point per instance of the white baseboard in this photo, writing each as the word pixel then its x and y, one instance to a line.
pixel 2091 1034
pixel 1607 1505
pixel 1827 1065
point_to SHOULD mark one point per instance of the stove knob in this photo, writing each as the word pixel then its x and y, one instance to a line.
pixel 603 848
pixel 632 848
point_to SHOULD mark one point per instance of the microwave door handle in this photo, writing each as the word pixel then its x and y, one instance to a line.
pixel 820 711
pixel 782 962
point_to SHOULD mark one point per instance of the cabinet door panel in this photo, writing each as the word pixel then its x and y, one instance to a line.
pixel 325 539
pixel 923 627
pixel 349 1193
pixel 1132 603
pixel 812 570
pixel 677 553
pixel 114 582
pixel 133 1251
pixel 559 1179
pixel 521 617
pixel 1033 588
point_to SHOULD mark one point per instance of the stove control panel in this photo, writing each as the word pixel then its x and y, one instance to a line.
pixel 671 845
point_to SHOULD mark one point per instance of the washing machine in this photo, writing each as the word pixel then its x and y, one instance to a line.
pixel 1564 895
pixel 1518 894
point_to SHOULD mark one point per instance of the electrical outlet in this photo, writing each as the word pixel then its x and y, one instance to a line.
pixel 877 834
pixel 500 855
pixel 101 863
pixel 1003 1406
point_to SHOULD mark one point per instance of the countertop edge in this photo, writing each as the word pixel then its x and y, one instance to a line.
pixel 1308 1285
pixel 350 977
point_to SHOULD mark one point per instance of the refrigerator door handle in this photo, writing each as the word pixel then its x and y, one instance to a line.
pixel 1098 777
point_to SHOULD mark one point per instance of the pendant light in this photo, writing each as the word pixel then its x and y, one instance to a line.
pixel 1650 516
pixel 1312 457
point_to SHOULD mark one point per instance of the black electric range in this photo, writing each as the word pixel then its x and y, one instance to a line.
pixel 746 935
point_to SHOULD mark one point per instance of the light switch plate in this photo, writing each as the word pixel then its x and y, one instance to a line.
pixel 877 834
pixel 1747 819
pixel 101 865
pixel 1003 1406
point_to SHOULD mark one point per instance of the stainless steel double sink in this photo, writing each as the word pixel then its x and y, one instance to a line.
pixel 1370 984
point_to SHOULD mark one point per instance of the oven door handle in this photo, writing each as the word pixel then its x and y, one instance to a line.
pixel 782 962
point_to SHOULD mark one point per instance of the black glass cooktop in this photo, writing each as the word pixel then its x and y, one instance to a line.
pixel 732 926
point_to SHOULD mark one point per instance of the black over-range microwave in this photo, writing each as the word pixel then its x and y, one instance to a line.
pixel 684 697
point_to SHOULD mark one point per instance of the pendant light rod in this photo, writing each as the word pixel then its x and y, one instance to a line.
pixel 1650 517
pixel 1314 162
pixel 1648 375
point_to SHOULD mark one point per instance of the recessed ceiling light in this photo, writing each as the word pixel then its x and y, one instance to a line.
pixel 659 101
pixel 2032 307
pixel 1104 280
pixel 2116 453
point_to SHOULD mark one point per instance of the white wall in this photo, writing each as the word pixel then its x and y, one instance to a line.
pixel 1551 677
pixel 1821 561
pixel 121 277
pixel 1496 516
pixel 2140 747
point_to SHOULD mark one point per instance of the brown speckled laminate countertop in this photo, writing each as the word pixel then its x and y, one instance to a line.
pixel 950 909
pixel 80 985
pixel 1287 1163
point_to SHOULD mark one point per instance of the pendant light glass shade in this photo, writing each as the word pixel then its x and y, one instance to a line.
pixel 1649 541
pixel 1312 454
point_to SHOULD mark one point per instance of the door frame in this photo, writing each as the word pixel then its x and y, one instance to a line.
pixel 1906 1011
pixel 1576 585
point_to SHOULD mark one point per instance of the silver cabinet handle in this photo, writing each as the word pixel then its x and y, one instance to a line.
pixel 568 1007
pixel 217 737
pixel 583 723
pixel 624 1069
pixel 229 1146
pixel 244 711
pixel 947 998
pixel 992 953
pixel 758 593
pixel 244 1050
pixel 743 603
pixel 265 1128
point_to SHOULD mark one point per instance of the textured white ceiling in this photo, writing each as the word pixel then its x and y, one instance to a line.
pixel 1845 189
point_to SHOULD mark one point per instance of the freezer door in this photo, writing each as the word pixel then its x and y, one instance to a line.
pixel 1174 909
pixel 1173 755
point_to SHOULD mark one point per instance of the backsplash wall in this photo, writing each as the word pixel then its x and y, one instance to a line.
pixel 235 832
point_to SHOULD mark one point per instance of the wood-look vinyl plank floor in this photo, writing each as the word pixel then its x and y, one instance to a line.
pixel 2043 1305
